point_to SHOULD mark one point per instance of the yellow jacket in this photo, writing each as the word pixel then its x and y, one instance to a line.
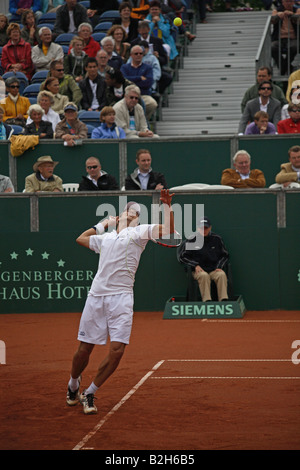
pixel 11 109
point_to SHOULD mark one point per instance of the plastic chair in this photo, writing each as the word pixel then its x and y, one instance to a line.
pixel 39 77
pixel 64 39
pixel 70 187
pixel 32 90
pixel 21 77
pixel 98 36
pixel 47 25
pixel 90 129
pixel 109 15
pixel 85 3
pixel 90 117
pixel 47 18
pixel 104 26
pixel 16 129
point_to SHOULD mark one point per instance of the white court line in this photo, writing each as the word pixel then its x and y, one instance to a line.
pixel 116 407
pixel 225 378
pixel 229 320
pixel 228 360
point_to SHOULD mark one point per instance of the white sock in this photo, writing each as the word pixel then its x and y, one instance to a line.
pixel 92 389
pixel 73 384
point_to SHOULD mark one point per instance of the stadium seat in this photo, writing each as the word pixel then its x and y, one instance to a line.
pixel 39 76
pixel 16 129
pixel 90 129
pixel 104 26
pixel 20 76
pixel 109 15
pixel 47 18
pixel 32 90
pixel 64 39
pixel 70 187
pixel 98 36
pixel 85 3
pixel 47 25
pixel 33 99
pixel 90 117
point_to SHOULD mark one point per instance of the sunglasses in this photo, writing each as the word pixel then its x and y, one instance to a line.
pixel 59 70
pixel 266 88
pixel 295 110
pixel 138 53
pixel 133 97
pixel 92 167
pixel 14 86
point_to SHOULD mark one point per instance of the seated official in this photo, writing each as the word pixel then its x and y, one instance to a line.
pixel 108 128
pixel 97 179
pixel 43 178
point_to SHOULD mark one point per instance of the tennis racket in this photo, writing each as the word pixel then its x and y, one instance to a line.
pixel 170 241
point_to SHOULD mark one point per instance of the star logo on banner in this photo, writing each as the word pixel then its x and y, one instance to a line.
pixel 61 263
pixel 45 255
pixel 29 252
pixel 14 255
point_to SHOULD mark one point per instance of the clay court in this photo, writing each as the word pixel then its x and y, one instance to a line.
pixel 182 385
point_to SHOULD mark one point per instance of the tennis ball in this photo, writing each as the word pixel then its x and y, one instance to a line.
pixel 177 21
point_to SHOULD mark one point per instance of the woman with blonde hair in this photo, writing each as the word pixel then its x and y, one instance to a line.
pixel 75 61
pixel 118 33
pixel 46 100
pixel 52 84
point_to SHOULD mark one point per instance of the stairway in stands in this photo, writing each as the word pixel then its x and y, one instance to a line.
pixel 219 68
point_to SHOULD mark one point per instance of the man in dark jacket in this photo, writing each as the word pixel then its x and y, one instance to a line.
pixel 97 179
pixel 92 87
pixel 143 176
pixel 207 261
pixel 68 17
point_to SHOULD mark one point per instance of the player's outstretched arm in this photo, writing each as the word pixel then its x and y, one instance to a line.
pixel 168 227
pixel 84 238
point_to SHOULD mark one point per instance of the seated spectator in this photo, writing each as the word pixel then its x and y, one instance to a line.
pixel 3 30
pixel 15 106
pixel 91 47
pixel 75 61
pixel 130 115
pixel 241 176
pixel 292 124
pixel 92 87
pixel 6 185
pixel 102 61
pixel 17 8
pixel 108 128
pixel 43 178
pixel 67 84
pixel 293 98
pixel 51 84
pixel 45 99
pixel 52 5
pixel 142 75
pixel 122 48
pixel 97 179
pixel 263 103
pixel 37 126
pixel 114 60
pixel 260 125
pixel 68 18
pixel 160 26
pixel 129 24
pixel 30 31
pixel 16 54
pixel 44 53
pixel 172 11
pixel 115 86
pixel 290 172
pixel 70 128
pixel 5 129
pixel 264 74
pixel 143 176
pixel 98 7
pixel 151 59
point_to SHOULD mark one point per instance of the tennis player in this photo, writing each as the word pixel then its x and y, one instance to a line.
pixel 108 309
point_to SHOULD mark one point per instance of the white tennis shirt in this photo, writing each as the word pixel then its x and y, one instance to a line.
pixel 119 258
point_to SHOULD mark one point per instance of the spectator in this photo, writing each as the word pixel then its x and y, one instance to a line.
pixel 122 48
pixel 114 60
pixel 142 75
pixel 16 54
pixel 294 77
pixel 91 47
pixel 3 30
pixel 160 27
pixel 130 115
pixel 15 106
pixel 44 53
pixel 263 103
pixel 5 129
pixel 52 5
pixel 97 7
pixel 292 124
pixel 75 61
pixel 284 16
pixel 173 10
pixel 43 178
pixel 129 24
pixel 263 75
pixel 140 8
pixel 97 179
pixel 70 128
pixel 51 84
pixel 115 86
pixel 102 61
pixel 207 262
pixel 241 176
pixel 260 125
pixel 92 87
pixel 17 8
pixel 108 128
pixel 290 172
pixel 6 185
pixel 143 176
pixel 150 59
pixel 294 97
pixel 68 17
pixel 67 84
pixel 37 125
pixel 45 99
pixel 30 31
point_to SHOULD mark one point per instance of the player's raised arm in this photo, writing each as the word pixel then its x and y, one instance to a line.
pixel 84 238
pixel 168 227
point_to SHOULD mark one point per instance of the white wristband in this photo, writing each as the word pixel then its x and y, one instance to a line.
pixel 99 228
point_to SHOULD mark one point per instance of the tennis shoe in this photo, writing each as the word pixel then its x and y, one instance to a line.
pixel 87 401
pixel 73 397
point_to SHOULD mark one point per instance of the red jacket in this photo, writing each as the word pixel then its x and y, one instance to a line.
pixel 288 126
pixel 19 54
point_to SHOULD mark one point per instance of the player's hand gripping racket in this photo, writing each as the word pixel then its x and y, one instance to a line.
pixel 168 236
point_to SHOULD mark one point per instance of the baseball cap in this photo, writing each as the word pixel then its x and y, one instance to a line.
pixel 70 106
pixel 205 221
pixel 134 206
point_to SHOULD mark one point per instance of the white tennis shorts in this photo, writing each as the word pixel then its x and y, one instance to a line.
pixel 107 315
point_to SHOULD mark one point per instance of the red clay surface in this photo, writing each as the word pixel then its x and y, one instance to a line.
pixel 187 403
